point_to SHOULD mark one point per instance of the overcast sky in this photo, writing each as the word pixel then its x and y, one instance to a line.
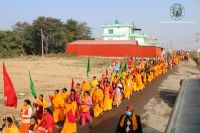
pixel 148 15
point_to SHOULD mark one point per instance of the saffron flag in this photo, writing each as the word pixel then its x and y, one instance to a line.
pixel 9 91
pixel 32 86
pixel 88 66
pixel 72 84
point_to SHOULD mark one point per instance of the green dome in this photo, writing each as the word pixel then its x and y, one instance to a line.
pixel 116 21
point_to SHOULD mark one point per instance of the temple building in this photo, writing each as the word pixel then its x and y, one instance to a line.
pixel 120 31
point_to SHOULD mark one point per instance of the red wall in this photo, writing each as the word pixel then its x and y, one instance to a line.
pixel 113 50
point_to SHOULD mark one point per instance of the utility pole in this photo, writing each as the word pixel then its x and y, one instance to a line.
pixel 167 47
pixel 171 44
pixel 197 34
pixel 42 43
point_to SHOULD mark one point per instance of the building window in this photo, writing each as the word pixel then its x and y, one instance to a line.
pixel 110 31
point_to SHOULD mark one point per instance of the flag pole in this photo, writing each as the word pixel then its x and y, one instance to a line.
pixel 5 109
pixel 5 103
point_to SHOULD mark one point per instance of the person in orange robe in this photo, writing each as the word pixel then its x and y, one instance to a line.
pixel 65 94
pixel 155 72
pixel 26 113
pixel 127 90
pixel 97 98
pixel 129 79
pixel 108 96
pixel 94 82
pixel 135 88
pixel 70 117
pixel 58 107
pixel 85 86
pixel 150 76
pixel 139 82
pixel 144 76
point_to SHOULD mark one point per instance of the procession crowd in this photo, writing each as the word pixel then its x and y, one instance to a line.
pixel 88 100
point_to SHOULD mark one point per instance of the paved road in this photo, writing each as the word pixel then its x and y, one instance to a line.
pixel 186 114
pixel 108 121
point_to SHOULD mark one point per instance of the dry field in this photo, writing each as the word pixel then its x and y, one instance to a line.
pixel 47 74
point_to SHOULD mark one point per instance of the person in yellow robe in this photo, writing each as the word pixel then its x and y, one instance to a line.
pixel 124 75
pixel 65 94
pixel 58 107
pixel 70 117
pixel 166 67
pixel 127 90
pixel 112 76
pixel 144 77
pixel 40 104
pixel 129 79
pixel 159 69
pixel 155 72
pixel 97 99
pixel 94 82
pixel 10 126
pixel 108 92
pixel 85 86
pixel 150 76
pixel 135 88
pixel 115 79
pixel 139 82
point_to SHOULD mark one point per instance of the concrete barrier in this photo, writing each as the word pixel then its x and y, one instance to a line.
pixel 186 114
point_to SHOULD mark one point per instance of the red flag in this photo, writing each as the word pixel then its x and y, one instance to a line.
pixel 9 91
pixel 51 98
pixel 106 72
pixel 72 84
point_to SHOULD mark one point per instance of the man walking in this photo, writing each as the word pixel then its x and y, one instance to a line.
pixel 129 122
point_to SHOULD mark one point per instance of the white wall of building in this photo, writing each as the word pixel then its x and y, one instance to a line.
pixel 140 40
pixel 117 31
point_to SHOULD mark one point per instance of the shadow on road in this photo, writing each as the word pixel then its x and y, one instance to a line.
pixel 168 96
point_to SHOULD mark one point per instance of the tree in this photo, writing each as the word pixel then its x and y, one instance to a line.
pixel 77 31
pixel 24 38
pixel 8 47
pixel 52 31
